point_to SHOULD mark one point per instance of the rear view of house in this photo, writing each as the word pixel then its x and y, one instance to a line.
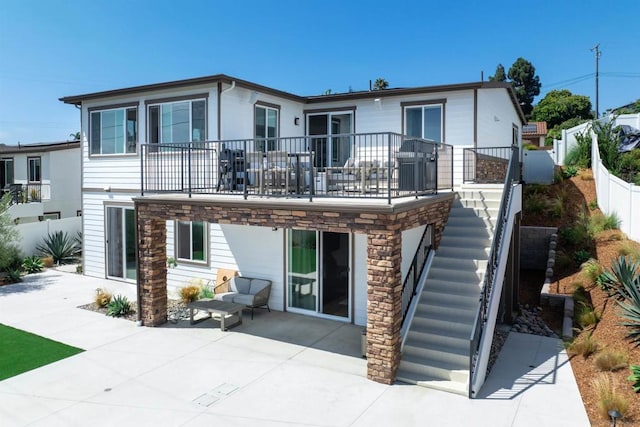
pixel 342 201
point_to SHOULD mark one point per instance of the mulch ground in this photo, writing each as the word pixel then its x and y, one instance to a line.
pixel 578 193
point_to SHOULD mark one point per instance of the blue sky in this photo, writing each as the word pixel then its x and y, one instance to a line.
pixel 50 49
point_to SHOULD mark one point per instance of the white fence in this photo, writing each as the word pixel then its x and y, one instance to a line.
pixel 563 146
pixel 33 233
pixel 615 195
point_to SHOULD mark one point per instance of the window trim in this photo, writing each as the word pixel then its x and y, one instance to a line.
pixel 174 100
pixel 122 106
pixel 425 103
pixel 206 248
pixel 13 169
pixel 29 159
pixel 56 213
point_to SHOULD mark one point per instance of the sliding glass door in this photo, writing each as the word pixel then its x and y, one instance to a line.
pixel 335 148
pixel 121 243
pixel 318 273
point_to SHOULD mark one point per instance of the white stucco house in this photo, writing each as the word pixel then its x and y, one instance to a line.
pixel 336 199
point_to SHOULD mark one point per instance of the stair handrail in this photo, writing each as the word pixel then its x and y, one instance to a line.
pixel 512 174
pixel 412 278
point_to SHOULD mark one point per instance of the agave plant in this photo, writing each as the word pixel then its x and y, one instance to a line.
pixel 119 306
pixel 62 247
pixel 32 264
pixel 629 291
pixel 623 270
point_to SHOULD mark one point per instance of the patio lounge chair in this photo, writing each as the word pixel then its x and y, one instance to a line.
pixel 254 293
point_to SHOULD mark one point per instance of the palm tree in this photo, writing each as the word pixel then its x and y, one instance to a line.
pixel 380 84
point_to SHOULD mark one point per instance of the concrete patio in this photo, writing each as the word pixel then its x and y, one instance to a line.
pixel 279 369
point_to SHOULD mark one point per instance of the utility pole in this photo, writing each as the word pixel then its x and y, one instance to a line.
pixel 598 53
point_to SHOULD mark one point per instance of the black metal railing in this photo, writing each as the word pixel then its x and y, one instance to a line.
pixel 512 174
pixel 24 193
pixel 485 165
pixel 411 281
pixel 372 165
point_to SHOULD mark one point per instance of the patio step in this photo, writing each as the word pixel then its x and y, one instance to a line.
pixel 436 350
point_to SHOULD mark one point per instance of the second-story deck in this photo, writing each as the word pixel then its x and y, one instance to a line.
pixel 373 166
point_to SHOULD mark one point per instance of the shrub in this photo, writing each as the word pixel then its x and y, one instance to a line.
pixel 555 207
pixel 608 143
pixel 575 236
pixel 581 256
pixel 535 204
pixel 570 171
pixel 563 261
pixel 119 306
pixel 611 360
pixel 32 264
pixel 79 269
pixel 14 275
pixel 10 258
pixel 630 250
pixel 47 261
pixel 580 154
pixel 635 377
pixel 587 316
pixel 580 295
pixel 189 293
pixel 206 291
pixel 608 397
pixel 593 205
pixel 600 222
pixel 102 298
pixel 584 346
pixel 591 269
pixel 62 247
pixel 171 262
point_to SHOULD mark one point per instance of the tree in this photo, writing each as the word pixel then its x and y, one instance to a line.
pixel 526 83
pixel 380 84
pixel 558 106
pixel 75 136
pixel 500 75
pixel 10 257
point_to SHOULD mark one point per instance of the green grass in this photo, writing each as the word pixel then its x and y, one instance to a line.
pixel 21 351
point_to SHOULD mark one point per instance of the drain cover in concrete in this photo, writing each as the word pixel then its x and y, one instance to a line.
pixel 214 395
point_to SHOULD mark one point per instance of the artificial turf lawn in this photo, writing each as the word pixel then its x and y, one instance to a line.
pixel 21 351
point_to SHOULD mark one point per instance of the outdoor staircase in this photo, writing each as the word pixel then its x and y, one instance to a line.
pixel 436 349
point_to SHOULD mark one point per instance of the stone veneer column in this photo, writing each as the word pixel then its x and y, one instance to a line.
pixel 384 305
pixel 152 269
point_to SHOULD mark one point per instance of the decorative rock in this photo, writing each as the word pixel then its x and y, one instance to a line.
pixel 530 322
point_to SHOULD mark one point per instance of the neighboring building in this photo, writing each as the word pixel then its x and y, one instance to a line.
pixel 534 133
pixel 329 197
pixel 43 178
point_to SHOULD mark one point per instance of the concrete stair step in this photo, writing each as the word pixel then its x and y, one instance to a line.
pixel 468 289
pixel 422 380
pixel 435 339
pixel 463 253
pixel 481 203
pixel 457 230
pixel 441 261
pixel 428 310
pixel 459 276
pixel 444 326
pixel 437 369
pixel 451 300
pixel 441 352
pixel 471 221
pixel 465 242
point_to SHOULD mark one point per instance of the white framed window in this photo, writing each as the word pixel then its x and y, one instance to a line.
pixel 113 131
pixel 35 169
pixel 425 121
pixel 266 127
pixel 177 122
pixel 191 241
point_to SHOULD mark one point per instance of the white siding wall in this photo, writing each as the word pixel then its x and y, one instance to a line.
pixel 386 116
pixel 496 117
pixel 93 225
pixel 64 175
pixel 228 248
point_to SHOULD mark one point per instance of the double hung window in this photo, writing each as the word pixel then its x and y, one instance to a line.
pixel 34 169
pixel 178 122
pixel 114 131
pixel 191 241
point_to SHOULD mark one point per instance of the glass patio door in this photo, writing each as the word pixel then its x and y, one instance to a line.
pixel 318 272
pixel 121 243
pixel 331 150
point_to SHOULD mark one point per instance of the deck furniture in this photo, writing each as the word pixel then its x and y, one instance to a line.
pixel 223 309
pixel 253 293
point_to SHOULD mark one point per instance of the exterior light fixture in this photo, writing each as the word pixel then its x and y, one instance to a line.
pixel 615 415
pixel 296 121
